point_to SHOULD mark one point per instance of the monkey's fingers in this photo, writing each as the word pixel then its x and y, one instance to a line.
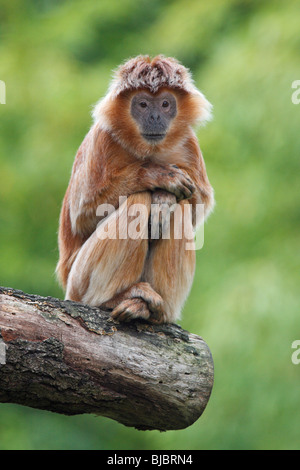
pixel 161 197
pixel 181 189
pixel 181 185
pixel 131 309
pixel 183 181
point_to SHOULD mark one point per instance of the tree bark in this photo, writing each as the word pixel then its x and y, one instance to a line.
pixel 69 358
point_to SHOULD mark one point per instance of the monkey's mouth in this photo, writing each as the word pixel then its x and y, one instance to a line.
pixel 153 137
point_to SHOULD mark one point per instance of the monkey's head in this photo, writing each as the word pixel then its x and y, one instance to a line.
pixel 150 105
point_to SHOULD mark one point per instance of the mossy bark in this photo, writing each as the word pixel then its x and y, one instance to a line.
pixel 69 358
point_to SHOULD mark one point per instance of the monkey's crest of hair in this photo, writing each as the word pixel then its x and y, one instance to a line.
pixel 142 72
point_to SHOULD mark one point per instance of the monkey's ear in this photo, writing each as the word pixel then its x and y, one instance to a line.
pixel 202 108
pixel 100 112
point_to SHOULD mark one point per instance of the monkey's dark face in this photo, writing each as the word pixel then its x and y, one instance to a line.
pixel 153 114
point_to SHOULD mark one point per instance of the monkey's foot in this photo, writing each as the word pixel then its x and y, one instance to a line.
pixel 141 290
pixel 138 301
pixel 130 309
pixel 144 291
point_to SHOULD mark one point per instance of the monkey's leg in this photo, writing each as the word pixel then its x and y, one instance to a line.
pixel 105 266
pixel 170 266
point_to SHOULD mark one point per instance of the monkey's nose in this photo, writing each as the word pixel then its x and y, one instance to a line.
pixel 155 117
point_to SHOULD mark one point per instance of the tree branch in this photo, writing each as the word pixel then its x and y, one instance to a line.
pixel 69 358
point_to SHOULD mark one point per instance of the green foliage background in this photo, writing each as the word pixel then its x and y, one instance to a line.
pixel 56 59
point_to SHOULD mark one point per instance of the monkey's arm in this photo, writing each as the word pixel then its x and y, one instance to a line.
pixel 195 167
pixel 103 171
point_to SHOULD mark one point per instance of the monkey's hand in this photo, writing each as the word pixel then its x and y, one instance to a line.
pixel 169 177
pixel 162 205
pixel 179 183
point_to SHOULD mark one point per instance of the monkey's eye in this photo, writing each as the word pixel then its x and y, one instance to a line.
pixel 143 104
pixel 165 104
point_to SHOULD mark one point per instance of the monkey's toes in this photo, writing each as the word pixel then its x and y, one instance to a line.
pixel 130 309
pixel 144 291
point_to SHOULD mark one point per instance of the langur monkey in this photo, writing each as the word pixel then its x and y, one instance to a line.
pixel 142 147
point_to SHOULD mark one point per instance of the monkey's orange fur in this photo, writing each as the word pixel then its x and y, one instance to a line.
pixel 140 277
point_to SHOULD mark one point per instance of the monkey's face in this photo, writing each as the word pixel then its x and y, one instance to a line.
pixel 150 124
pixel 153 114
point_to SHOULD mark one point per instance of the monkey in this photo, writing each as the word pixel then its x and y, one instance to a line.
pixel 141 146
